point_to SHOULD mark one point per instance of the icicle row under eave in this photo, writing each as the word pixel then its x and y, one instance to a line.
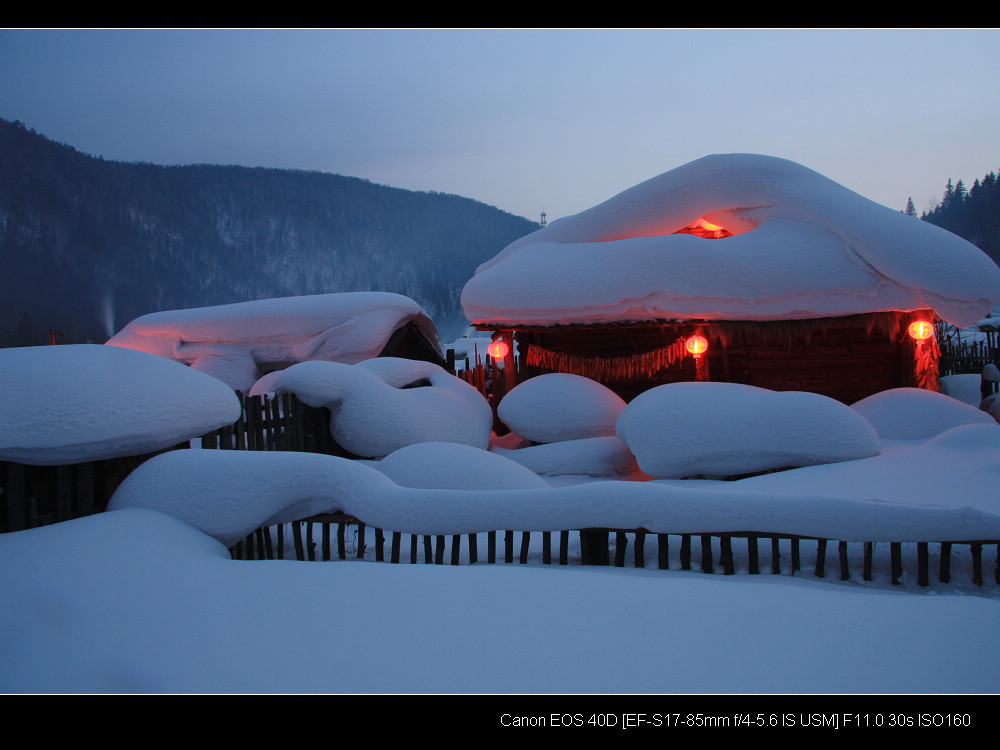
pixel 607 369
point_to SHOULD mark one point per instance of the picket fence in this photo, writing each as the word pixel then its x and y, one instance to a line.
pixel 35 496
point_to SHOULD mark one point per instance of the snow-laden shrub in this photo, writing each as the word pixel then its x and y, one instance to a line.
pixel 915 413
pixel 593 457
pixel 725 429
pixel 964 387
pixel 457 467
pixel 387 403
pixel 89 402
pixel 559 406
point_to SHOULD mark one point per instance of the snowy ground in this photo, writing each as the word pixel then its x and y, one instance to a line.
pixel 145 598
pixel 137 601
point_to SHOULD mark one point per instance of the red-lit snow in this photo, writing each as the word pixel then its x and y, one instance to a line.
pixel 804 247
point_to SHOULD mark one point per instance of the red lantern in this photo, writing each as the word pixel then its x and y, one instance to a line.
pixel 920 330
pixel 696 345
pixel 498 349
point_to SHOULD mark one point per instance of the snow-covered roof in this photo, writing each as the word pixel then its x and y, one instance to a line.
pixel 86 402
pixel 802 246
pixel 229 341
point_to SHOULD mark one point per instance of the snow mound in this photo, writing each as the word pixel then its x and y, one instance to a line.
pixel 230 341
pixel 959 468
pixel 456 467
pixel 965 388
pixel 382 405
pixel 87 402
pixel 802 246
pixel 228 494
pixel 726 429
pixel 915 413
pixel 592 457
pixel 559 406
pixel 991 406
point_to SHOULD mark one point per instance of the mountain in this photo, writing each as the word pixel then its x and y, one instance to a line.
pixel 88 244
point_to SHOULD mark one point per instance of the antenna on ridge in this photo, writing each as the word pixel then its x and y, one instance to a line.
pixel 542 223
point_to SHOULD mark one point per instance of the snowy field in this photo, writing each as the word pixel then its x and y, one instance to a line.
pixel 136 601
pixel 148 600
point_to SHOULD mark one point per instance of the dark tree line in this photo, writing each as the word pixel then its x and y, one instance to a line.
pixel 971 213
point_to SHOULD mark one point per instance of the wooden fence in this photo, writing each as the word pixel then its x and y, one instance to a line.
pixel 608 547
pixel 39 495
pixel 282 423
pixel 960 357
pixel 32 496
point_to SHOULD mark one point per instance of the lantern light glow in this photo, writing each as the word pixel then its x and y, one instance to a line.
pixel 696 345
pixel 498 349
pixel 920 330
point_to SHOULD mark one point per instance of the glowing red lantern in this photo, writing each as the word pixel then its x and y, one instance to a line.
pixel 920 330
pixel 498 349
pixel 696 345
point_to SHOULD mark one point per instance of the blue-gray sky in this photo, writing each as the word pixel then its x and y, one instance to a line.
pixel 526 120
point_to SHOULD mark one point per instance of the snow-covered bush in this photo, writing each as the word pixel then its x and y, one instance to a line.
pixel 387 403
pixel 593 457
pixel 915 413
pixel 964 387
pixel 559 406
pixel 88 402
pixel 458 467
pixel 725 429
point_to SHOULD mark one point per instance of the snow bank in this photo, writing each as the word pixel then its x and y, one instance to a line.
pixel 959 467
pixel 137 602
pixel 456 467
pixel 559 406
pixel 228 494
pixel 803 247
pixel 589 457
pixel 384 404
pixel 725 429
pixel 230 341
pixel 915 413
pixel 87 402
pixel 965 388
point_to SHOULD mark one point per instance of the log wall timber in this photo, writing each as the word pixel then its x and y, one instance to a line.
pixel 845 358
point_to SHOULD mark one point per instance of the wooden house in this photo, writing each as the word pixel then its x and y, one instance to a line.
pixel 787 281
pixel 241 342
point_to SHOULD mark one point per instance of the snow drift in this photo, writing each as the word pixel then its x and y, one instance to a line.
pixel 802 247
pixel 228 494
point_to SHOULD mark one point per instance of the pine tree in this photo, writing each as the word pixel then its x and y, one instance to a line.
pixel 960 192
pixel 910 208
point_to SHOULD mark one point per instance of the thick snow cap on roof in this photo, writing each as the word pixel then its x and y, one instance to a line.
pixel 228 340
pixel 802 247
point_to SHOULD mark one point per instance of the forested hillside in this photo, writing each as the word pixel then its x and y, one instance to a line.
pixel 971 213
pixel 87 244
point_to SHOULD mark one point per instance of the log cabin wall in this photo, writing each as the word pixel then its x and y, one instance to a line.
pixel 845 358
